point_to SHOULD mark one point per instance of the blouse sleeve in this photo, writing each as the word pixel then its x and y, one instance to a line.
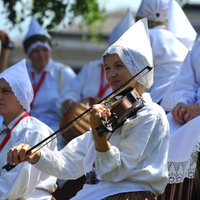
pixel 137 151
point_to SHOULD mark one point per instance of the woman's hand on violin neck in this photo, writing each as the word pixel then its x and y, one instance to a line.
pixel 98 112
pixel 20 153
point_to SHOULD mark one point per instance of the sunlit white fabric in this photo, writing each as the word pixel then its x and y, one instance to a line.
pixel 18 79
pixel 25 181
pixel 138 50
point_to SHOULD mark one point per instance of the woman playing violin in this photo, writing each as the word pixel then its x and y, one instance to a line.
pixel 129 162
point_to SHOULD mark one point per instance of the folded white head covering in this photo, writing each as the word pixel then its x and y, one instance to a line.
pixel 155 10
pixel 180 26
pixel 125 23
pixel 36 36
pixel 18 79
pixel 169 13
pixel 134 49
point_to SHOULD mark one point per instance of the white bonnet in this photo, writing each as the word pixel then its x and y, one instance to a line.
pixel 36 36
pixel 134 49
pixel 125 23
pixel 155 10
pixel 180 26
pixel 168 11
pixel 18 79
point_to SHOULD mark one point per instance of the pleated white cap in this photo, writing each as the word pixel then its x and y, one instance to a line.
pixel 171 12
pixel 134 49
pixel 125 23
pixel 35 29
pixel 18 79
pixel 36 36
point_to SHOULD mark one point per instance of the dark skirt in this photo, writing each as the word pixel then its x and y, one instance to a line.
pixel 178 191
pixel 189 189
pixel 132 196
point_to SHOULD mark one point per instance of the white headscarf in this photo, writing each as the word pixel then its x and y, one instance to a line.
pixel 125 23
pixel 170 12
pixel 18 79
pixel 134 49
pixel 155 10
pixel 180 26
pixel 36 36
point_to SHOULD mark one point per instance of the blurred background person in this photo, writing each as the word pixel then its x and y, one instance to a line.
pixel 182 103
pixel 169 44
pixel 48 77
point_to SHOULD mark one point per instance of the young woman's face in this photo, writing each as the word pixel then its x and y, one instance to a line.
pixel 116 72
pixel 9 105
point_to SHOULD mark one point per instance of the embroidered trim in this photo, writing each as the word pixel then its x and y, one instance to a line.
pixel 178 171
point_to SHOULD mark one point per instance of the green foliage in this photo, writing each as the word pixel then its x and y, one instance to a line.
pixel 55 12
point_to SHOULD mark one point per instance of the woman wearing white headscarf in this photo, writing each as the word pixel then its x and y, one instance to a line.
pixel 183 104
pixel 16 94
pixel 168 51
pixel 48 77
pixel 131 162
pixel 90 85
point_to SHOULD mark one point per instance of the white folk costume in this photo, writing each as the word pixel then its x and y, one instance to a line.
pixel 24 181
pixel 185 89
pixel 91 80
pixel 168 51
pixel 137 159
pixel 184 139
pixel 48 84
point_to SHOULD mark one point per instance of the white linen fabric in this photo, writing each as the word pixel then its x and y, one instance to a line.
pixel 126 22
pixel 155 10
pixel 135 52
pixel 25 181
pixel 185 91
pixel 58 76
pixel 35 29
pixel 36 44
pixel 138 156
pixel 171 13
pixel 184 139
pixel 180 26
pixel 18 79
pixel 168 56
pixel 86 84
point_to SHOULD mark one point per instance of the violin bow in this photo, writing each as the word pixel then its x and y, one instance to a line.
pixel 104 101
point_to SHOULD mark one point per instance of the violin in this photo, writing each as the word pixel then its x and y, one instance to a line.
pixel 121 109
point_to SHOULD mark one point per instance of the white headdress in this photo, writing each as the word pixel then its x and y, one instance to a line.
pixel 169 13
pixel 36 36
pixel 155 10
pixel 180 26
pixel 126 22
pixel 134 49
pixel 18 79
